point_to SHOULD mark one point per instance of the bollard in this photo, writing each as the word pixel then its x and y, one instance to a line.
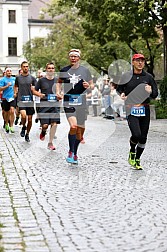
pixel 152 112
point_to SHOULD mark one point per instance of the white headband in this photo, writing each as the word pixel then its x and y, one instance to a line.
pixel 8 69
pixel 75 53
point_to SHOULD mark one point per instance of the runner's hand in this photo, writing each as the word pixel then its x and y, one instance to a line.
pixel 42 95
pixel 148 88
pixel 85 84
pixel 59 96
pixel 9 84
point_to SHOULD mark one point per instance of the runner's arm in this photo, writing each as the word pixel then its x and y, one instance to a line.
pixel 37 93
pixel 5 87
pixel 59 89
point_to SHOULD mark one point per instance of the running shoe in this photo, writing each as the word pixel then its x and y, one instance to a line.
pixel 51 147
pixel 75 159
pixel 137 164
pixel 7 128
pixel 131 158
pixel 27 139
pixel 11 129
pixel 22 133
pixel 16 121
pixel 69 159
pixel 42 135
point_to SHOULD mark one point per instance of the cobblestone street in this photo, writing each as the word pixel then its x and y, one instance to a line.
pixel 101 205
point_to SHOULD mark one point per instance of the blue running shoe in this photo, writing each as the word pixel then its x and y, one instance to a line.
pixel 69 159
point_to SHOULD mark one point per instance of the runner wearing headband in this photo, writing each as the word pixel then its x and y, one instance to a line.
pixel 75 79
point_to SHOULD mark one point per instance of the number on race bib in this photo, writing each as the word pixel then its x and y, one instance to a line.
pixel 138 111
pixel 52 97
pixel 75 99
pixel 26 98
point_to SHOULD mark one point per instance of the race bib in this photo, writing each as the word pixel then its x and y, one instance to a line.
pixel 75 99
pixel 26 98
pixel 52 98
pixel 138 111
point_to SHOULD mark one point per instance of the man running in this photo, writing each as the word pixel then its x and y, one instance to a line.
pixel 8 99
pixel 48 111
pixel 137 92
pixel 76 79
pixel 24 89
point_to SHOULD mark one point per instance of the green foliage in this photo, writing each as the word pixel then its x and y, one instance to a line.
pixel 163 89
pixel 103 30
pixel 1 248
pixel 67 32
pixel 160 108
pixel 125 21
pixel 37 53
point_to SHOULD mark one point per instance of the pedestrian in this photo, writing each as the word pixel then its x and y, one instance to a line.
pixel 8 99
pixel 75 79
pixel 139 88
pixel 117 103
pixel 24 89
pixel 48 111
pixel 94 98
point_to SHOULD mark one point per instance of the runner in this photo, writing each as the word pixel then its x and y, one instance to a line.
pixel 48 112
pixel 17 112
pixel 8 99
pixel 137 93
pixel 24 89
pixel 76 79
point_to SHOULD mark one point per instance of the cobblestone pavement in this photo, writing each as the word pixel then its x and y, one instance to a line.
pixel 101 205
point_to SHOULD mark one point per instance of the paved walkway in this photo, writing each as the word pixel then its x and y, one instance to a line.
pixel 102 205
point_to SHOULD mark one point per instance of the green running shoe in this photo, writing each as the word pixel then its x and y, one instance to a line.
pixel 7 128
pixel 131 158
pixel 137 164
pixel 11 129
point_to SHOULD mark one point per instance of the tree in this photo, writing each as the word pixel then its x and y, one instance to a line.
pixel 126 21
pixel 67 32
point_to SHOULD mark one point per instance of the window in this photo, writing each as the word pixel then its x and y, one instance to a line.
pixel 12 46
pixel 12 16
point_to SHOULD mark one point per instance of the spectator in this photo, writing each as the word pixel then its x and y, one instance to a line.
pixel 117 103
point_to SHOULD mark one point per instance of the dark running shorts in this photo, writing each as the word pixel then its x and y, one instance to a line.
pixel 49 115
pixel 7 105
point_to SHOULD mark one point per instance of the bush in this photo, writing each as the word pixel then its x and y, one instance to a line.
pixel 160 109
pixel 163 89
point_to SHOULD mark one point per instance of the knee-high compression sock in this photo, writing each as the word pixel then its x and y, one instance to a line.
pixel 132 146
pixel 139 150
pixel 72 138
pixel 79 135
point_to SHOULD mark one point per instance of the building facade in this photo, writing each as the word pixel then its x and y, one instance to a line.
pixel 19 22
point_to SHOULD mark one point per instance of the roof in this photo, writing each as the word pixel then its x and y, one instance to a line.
pixel 35 8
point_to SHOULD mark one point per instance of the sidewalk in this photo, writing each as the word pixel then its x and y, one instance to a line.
pixel 101 205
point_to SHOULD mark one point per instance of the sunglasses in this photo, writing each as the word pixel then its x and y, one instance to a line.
pixel 139 60
pixel 50 68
